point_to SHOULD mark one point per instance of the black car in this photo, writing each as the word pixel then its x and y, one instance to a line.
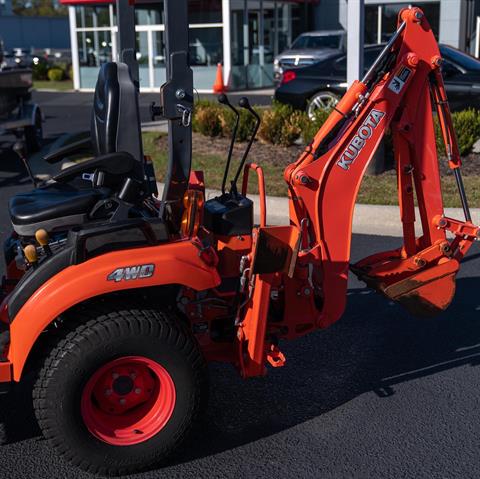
pixel 321 85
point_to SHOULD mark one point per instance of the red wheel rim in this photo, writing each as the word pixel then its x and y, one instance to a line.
pixel 128 400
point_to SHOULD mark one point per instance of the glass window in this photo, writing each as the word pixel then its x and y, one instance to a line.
pixel 371 24
pixel 390 16
pixel 204 11
pixel 206 47
pixel 89 17
pixel 94 48
pixel 149 16
pixel 317 41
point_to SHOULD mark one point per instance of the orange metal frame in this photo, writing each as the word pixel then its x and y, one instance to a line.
pixel 303 284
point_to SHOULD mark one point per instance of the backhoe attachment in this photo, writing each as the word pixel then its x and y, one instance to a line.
pixel 398 94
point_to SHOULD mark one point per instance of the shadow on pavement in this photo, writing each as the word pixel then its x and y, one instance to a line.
pixel 374 347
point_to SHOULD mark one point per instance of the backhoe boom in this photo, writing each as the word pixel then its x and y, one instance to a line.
pixel 396 94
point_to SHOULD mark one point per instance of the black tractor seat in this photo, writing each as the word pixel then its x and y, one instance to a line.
pixel 53 208
pixel 116 171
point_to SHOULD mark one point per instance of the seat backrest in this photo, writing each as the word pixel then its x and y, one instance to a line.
pixel 115 118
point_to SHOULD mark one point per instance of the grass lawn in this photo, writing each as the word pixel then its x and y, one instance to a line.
pixel 53 85
pixel 379 190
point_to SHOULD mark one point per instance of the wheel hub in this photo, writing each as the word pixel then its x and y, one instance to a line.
pixel 123 385
pixel 128 400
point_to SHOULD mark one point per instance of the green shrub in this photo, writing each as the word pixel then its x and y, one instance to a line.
pixel 311 127
pixel 206 119
pixel 245 125
pixel 55 74
pixel 282 125
pixel 212 119
pixel 466 125
pixel 66 68
pixel 40 71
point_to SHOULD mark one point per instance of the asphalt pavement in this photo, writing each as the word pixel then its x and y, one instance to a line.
pixel 67 112
pixel 378 395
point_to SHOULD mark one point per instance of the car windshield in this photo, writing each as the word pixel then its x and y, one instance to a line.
pixel 313 42
pixel 462 59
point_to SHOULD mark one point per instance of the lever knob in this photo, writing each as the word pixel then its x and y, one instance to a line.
pixel 223 99
pixel 244 103
pixel 42 237
pixel 30 253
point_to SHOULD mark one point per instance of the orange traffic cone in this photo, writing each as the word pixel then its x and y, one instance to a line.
pixel 219 86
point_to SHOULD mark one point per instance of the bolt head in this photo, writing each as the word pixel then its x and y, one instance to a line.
pixel 123 401
pixel 180 94
pixel 115 375
pixel 442 223
pixel 138 390
pixel 108 392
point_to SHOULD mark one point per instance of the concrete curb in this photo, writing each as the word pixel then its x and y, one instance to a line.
pixel 381 220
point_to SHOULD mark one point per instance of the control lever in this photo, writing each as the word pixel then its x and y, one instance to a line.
pixel 244 103
pixel 19 149
pixel 223 99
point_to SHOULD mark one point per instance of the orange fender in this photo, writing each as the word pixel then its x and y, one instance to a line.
pixel 174 263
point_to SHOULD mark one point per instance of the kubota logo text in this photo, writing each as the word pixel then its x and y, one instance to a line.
pixel 360 139
pixel 132 272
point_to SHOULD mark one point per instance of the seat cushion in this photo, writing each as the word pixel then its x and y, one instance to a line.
pixel 54 207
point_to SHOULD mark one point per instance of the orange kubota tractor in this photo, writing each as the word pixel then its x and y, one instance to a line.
pixel 117 300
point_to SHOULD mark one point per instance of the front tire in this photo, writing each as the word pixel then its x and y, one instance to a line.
pixel 119 392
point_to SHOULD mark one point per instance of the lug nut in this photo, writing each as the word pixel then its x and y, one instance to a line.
pixel 133 376
pixel 108 392
pixel 138 391
pixel 123 401
pixel 115 375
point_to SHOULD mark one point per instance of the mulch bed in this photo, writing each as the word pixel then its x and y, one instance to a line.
pixel 281 156
pixel 260 152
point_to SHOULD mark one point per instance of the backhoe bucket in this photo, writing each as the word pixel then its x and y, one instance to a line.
pixel 426 293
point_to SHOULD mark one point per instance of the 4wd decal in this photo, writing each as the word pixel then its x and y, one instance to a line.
pixel 360 139
pixel 132 272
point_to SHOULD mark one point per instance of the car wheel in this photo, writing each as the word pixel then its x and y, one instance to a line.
pixel 323 100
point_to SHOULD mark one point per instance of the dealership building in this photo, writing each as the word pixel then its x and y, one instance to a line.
pixel 245 35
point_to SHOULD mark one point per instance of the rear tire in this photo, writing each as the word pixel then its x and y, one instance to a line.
pixel 162 353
